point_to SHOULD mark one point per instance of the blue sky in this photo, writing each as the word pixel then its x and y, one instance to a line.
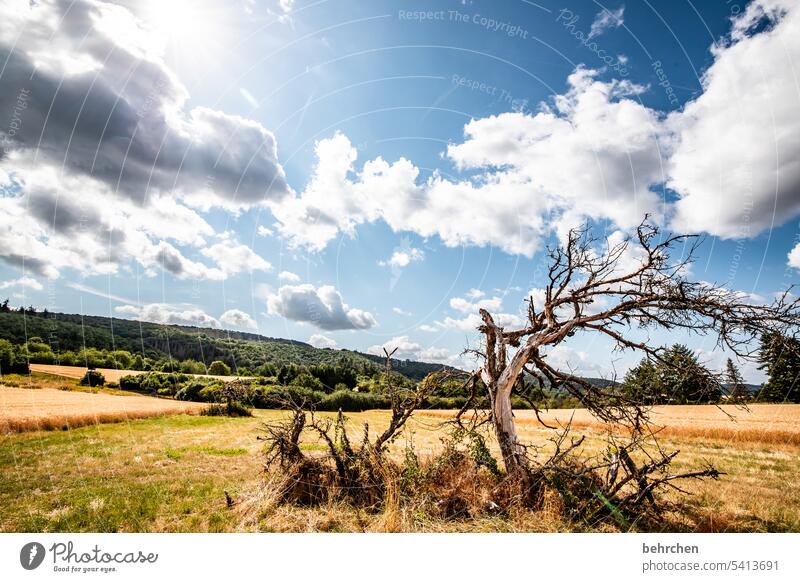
pixel 357 174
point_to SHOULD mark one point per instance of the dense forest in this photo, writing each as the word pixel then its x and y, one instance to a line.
pixel 242 352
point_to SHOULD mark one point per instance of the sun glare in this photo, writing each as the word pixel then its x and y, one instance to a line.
pixel 188 30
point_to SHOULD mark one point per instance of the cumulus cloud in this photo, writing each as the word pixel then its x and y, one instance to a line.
pixel 232 258
pixel 401 311
pixel 322 341
pixel 263 231
pixel 169 314
pixel 289 276
pixel 465 306
pixel 104 158
pixel 238 318
pixel 794 257
pixel 607 19
pixel 403 258
pixel 566 358
pixel 105 106
pixel 28 282
pixel 411 350
pixel 736 164
pixel 471 322
pixel 594 152
pixel 322 308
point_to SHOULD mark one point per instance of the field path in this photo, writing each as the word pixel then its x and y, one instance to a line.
pixel 26 409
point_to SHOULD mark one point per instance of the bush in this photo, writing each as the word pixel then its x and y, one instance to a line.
pixel 12 361
pixel 93 378
pixel 232 409
pixel 277 396
pixel 349 401
pixel 308 381
pixel 218 368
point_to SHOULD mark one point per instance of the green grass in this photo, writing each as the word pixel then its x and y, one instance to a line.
pixel 170 474
pixel 159 474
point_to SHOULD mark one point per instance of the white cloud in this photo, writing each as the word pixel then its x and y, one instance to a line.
pixel 28 282
pixel 133 128
pixel 465 306
pixel 169 314
pixel 323 308
pixel 794 257
pixel 238 318
pixel 475 293
pixel 593 153
pixel 607 19
pixel 321 341
pixel 428 328
pixel 400 311
pixel 736 164
pixel 403 258
pixel 263 231
pixel 109 155
pixel 167 257
pixel 568 359
pixel 471 322
pixel 411 350
pixel 289 276
pixel 232 258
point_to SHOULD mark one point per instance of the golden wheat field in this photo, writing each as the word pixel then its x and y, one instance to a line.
pixel 170 472
pixel 23 409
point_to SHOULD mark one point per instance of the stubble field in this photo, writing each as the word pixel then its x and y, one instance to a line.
pixel 169 473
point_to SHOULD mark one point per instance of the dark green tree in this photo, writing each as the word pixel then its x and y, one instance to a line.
pixel 735 384
pixel 678 378
pixel 779 357
pixel 684 380
pixel 642 383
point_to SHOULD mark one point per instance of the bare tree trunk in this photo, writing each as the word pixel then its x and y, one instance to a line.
pixel 506 432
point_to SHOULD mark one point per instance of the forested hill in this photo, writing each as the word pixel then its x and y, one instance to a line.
pixel 71 332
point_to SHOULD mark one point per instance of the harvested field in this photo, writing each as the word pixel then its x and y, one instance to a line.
pixel 169 474
pixel 758 423
pixel 24 410
pixel 110 374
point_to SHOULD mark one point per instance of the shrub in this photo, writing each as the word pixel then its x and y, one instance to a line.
pixel 349 401
pixel 93 378
pixel 278 396
pixel 218 368
pixel 308 381
pixel 232 409
pixel 132 382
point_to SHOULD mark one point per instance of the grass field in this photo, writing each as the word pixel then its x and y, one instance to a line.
pixel 169 473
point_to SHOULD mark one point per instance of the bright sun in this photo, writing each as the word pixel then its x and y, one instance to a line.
pixel 187 29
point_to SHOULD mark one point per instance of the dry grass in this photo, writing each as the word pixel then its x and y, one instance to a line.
pixel 111 375
pixel 48 409
pixel 168 474
pixel 759 423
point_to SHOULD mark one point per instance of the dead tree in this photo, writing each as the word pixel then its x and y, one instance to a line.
pixel 358 472
pixel 612 290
